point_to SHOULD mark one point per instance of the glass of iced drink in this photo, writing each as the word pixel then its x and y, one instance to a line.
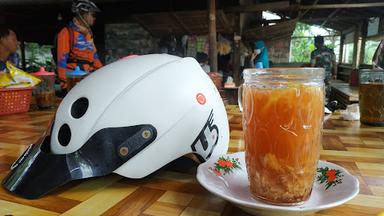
pixel 74 77
pixel 45 92
pixel 283 111
pixel 371 97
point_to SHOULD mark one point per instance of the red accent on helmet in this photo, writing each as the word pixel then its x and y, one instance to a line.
pixel 201 98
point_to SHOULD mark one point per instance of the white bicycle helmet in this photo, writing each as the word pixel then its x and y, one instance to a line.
pixel 84 6
pixel 131 117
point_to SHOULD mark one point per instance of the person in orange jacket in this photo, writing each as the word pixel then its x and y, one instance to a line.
pixel 75 46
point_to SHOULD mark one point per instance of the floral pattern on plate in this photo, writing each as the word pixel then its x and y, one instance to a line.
pixel 333 186
pixel 225 165
pixel 331 177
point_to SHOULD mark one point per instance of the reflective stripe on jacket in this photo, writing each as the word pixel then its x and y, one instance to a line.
pixel 83 52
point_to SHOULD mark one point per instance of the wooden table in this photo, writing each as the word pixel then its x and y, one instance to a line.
pixel 344 93
pixel 357 147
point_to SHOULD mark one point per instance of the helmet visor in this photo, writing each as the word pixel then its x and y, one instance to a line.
pixel 38 171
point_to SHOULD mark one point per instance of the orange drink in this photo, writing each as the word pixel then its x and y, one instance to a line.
pixel 371 100
pixel 282 120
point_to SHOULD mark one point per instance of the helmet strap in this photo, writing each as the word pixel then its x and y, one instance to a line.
pixel 85 24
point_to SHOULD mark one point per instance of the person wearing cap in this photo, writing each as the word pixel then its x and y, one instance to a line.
pixel 75 46
pixel 324 57
pixel 259 56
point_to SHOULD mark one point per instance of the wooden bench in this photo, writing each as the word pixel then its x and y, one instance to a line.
pixel 344 93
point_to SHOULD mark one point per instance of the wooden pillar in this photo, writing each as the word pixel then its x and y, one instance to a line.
pixel 357 41
pixel 341 51
pixel 212 35
pixel 100 40
pixel 2 16
pixel 381 25
pixel 236 59
pixel 22 49
pixel 364 31
pixel 236 51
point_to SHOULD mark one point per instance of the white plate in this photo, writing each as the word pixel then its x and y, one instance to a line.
pixel 234 187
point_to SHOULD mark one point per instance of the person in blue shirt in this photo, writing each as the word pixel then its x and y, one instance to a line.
pixel 15 59
pixel 259 57
pixel 8 45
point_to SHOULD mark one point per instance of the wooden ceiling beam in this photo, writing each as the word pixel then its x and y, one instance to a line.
pixel 227 26
pixel 341 6
pixel 144 25
pixel 333 14
pixel 264 21
pixel 316 20
pixel 180 22
pixel 321 19
pixel 301 14
pixel 284 6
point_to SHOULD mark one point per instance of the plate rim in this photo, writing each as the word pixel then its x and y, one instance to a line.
pixel 271 206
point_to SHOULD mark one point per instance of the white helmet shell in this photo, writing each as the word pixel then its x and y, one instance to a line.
pixel 171 94
pixel 84 6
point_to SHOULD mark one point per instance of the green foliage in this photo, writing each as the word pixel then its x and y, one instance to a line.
pixel 370 48
pixel 37 56
pixel 302 30
pixel 301 46
pixel 302 42
pixel 301 49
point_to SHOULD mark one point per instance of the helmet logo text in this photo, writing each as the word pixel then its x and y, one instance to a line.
pixel 207 139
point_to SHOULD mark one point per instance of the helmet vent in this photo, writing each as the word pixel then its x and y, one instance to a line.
pixel 64 135
pixel 79 107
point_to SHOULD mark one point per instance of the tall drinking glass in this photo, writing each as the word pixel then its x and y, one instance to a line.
pixel 73 77
pixel 283 111
pixel 371 97
pixel 45 92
